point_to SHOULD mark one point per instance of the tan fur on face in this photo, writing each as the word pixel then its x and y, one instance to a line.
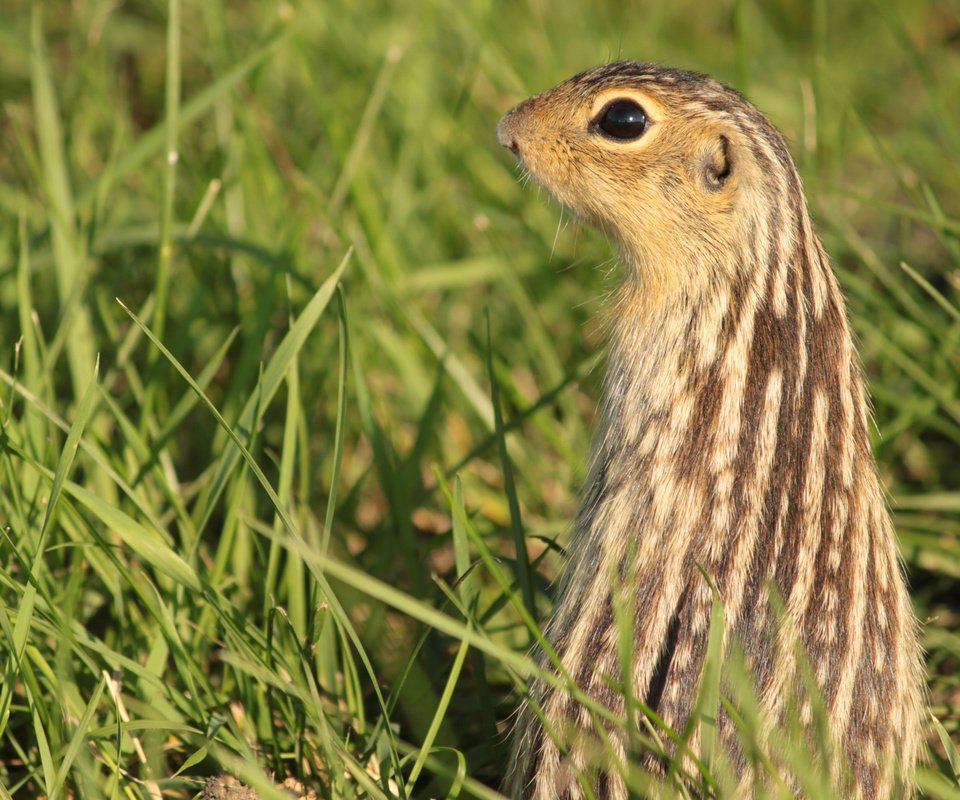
pixel 644 194
pixel 732 436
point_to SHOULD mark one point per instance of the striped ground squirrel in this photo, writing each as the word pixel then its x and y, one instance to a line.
pixel 732 438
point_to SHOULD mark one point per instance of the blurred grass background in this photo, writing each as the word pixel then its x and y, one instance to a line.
pixel 176 598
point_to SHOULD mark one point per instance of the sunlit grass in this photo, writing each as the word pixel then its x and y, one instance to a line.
pixel 265 512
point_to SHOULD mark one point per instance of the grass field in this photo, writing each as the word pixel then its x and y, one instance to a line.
pixel 290 362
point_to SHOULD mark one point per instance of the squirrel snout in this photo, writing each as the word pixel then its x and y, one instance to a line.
pixel 506 134
pixel 513 124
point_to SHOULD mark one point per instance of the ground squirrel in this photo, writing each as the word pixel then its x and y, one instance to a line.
pixel 732 438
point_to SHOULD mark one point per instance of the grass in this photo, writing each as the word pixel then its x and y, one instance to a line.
pixel 264 512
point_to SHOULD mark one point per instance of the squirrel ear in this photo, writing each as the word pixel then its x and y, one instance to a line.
pixel 717 163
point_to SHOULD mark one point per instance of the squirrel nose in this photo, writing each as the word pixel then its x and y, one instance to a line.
pixel 505 134
pixel 513 123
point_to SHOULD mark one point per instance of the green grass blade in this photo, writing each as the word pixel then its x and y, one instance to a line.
pixel 49 775
pixel 344 352
pixel 364 129
pixel 439 714
pixel 272 377
pixel 928 287
pixel 709 701
pixel 524 573
pixel 68 257
pixel 24 617
pixel 953 755
pixel 148 544
pixel 65 464
pixel 934 786
pixel 461 547
pixel 28 335
pixel 152 142
pixel 79 738
pixel 171 128
pixel 184 406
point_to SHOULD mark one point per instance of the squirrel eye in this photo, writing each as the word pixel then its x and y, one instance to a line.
pixel 623 119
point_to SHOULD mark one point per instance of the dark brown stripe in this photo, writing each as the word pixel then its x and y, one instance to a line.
pixel 658 681
pixel 774 348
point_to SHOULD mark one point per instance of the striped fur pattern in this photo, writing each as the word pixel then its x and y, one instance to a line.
pixel 733 436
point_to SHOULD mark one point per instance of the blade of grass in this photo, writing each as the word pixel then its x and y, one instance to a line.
pixel 708 705
pixel 439 714
pixel 516 525
pixel 146 543
pixel 916 371
pixel 344 343
pixel 953 756
pixel 30 347
pixel 504 585
pixel 418 610
pixel 89 447
pixel 287 350
pixel 78 740
pixel 472 786
pixel 171 127
pixel 924 284
pixel 273 375
pixel 22 625
pixel 461 549
pixel 326 639
pixel 299 607
pixel 68 258
pixel 49 774
pixel 935 786
pixel 183 407
pixel 468 592
pixel 364 129
pixel 65 464
pixel 153 140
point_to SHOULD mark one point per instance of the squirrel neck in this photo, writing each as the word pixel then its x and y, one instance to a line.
pixel 732 437
pixel 746 378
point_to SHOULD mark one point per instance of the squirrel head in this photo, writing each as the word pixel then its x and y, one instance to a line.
pixel 678 169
